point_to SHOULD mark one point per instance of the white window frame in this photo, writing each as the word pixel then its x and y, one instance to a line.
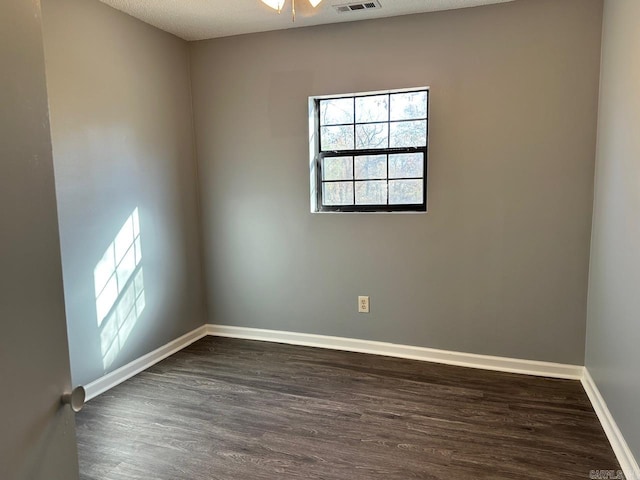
pixel 315 158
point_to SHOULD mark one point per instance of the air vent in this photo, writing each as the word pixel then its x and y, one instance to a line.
pixel 357 6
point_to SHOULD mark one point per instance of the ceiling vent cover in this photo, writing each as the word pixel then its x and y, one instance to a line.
pixel 357 6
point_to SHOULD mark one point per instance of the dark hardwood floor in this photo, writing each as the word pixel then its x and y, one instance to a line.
pixel 243 410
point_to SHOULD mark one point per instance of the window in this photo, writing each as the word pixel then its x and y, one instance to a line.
pixel 369 151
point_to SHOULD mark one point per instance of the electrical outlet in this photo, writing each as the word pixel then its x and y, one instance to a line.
pixel 363 304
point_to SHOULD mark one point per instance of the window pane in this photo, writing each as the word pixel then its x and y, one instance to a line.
pixel 372 109
pixel 409 134
pixel 336 111
pixel 402 192
pixel 406 165
pixel 336 138
pixel 337 193
pixel 371 193
pixel 371 166
pixel 337 168
pixel 407 106
pixel 373 135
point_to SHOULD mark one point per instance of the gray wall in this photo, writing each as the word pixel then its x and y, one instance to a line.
pixel 37 436
pixel 498 265
pixel 122 139
pixel 613 329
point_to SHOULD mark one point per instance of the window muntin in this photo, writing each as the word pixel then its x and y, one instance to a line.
pixel 371 152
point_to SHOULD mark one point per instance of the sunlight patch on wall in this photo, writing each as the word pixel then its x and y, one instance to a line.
pixel 119 289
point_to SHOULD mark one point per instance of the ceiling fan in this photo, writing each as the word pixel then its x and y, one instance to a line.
pixel 278 4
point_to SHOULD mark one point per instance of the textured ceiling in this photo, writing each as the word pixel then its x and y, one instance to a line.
pixel 200 19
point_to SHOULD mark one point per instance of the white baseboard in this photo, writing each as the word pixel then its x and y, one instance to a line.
pixel 618 443
pixel 127 371
pixel 485 362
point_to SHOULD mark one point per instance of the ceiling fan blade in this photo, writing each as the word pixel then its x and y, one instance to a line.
pixel 275 4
